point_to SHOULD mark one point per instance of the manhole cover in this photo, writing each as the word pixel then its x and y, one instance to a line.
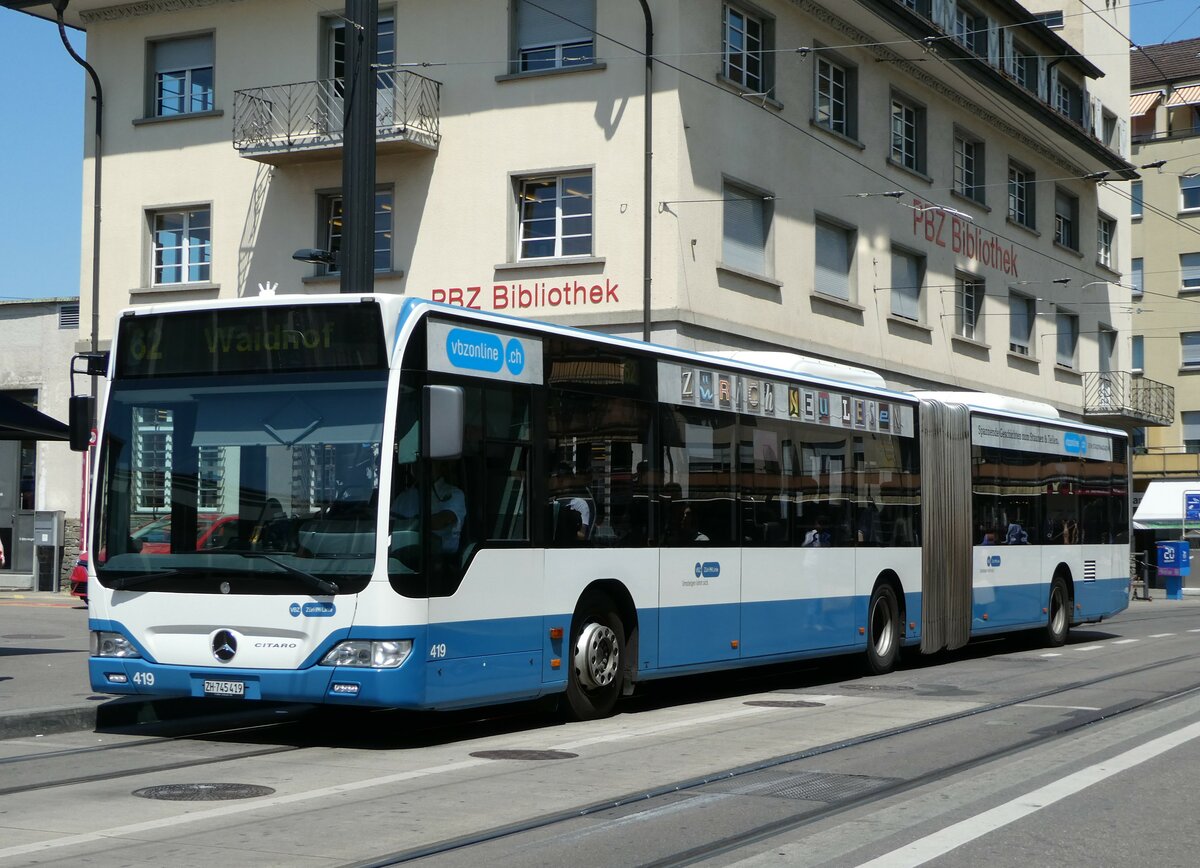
pixel 26 637
pixel 203 792
pixel 784 703
pixel 523 754
pixel 875 687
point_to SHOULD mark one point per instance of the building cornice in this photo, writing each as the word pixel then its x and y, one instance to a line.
pixel 145 7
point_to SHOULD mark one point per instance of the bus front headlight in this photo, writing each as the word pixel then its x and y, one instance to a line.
pixel 372 654
pixel 106 644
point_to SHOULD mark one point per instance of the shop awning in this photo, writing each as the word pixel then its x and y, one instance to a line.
pixel 1189 95
pixel 1162 505
pixel 1140 103
pixel 21 422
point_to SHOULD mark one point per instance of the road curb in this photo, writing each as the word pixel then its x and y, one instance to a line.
pixel 123 714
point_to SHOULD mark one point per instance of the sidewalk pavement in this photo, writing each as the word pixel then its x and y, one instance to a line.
pixel 44 681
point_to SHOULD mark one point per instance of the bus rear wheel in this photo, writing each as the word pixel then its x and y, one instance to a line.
pixel 1058 613
pixel 597 660
pixel 883 631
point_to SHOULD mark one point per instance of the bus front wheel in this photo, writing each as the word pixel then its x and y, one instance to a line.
pixel 883 630
pixel 1058 613
pixel 597 664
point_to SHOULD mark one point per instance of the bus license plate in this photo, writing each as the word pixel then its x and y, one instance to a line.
pixel 224 688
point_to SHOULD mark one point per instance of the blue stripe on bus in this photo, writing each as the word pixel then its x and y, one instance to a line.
pixel 474 669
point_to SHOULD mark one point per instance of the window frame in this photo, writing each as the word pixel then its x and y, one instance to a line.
pixel 520 63
pixel 914 160
pixel 1066 226
pixel 1024 349
pixel 154 77
pixel 1189 185
pixel 1136 200
pixel 560 178
pixel 850 234
pixel 968 287
pixel 974 189
pixel 914 295
pixel 848 125
pixel 1063 360
pixel 732 191
pixel 1027 185
pixel 1137 354
pixel 1187 267
pixel 1106 239
pixel 186 263
pixel 968 33
pixel 327 202
pixel 762 82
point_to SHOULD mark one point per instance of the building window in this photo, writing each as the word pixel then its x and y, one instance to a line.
pixel 1053 20
pixel 747 226
pixel 921 7
pixel 1138 348
pixel 1136 276
pixel 1021 192
pixel 968 298
pixel 968 168
pixel 908 135
pixel 556 216
pixel 1135 200
pixel 1025 67
pixel 1020 323
pixel 908 273
pixel 1191 430
pixel 1189 191
pixel 971 30
pixel 1189 272
pixel 153 429
pixel 182 247
pixel 183 76
pixel 1068 338
pixel 1106 229
pixel 746 49
pixel 1068 99
pixel 1108 131
pixel 836 99
pixel 834 255
pixel 68 316
pixel 1066 219
pixel 558 36
pixel 1190 346
pixel 331 220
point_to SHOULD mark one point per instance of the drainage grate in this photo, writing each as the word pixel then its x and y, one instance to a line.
pixel 524 754
pixel 812 786
pixel 784 703
pixel 203 792
pixel 874 687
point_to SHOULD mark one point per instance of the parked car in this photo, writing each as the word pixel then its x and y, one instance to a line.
pixel 212 531
pixel 79 580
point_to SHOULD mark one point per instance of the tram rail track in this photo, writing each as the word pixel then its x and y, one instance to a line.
pixel 803 818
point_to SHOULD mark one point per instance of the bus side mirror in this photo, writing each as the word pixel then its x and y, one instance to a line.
pixel 80 411
pixel 443 428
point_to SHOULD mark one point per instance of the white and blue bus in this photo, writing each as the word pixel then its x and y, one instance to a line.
pixel 373 500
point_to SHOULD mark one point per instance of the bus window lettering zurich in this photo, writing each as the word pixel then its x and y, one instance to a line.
pixel 294 495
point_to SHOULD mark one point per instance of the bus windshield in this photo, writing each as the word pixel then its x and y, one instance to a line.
pixel 228 484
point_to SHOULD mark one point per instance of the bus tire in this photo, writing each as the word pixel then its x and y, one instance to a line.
pixel 883 630
pixel 597 659
pixel 1058 613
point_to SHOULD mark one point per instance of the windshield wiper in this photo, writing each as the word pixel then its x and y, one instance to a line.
pixel 126 582
pixel 324 586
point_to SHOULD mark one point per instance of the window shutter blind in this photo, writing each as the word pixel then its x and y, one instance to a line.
pixel 1189 269
pixel 906 285
pixel 833 261
pixel 176 54
pixel 745 232
pixel 535 27
pixel 1018 320
pixel 1191 348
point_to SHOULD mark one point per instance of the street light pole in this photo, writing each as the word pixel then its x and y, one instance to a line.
pixel 647 212
pixel 357 257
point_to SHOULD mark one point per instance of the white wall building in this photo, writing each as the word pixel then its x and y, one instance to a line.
pixel 906 185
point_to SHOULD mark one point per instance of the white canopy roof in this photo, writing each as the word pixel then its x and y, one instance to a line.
pixel 1162 506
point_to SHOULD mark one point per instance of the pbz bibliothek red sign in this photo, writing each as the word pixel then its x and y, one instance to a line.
pixel 534 294
pixel 963 237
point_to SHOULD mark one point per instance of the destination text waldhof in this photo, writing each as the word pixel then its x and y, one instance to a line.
pixel 235 339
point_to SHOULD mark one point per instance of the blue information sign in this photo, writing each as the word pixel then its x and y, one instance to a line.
pixel 1174 559
pixel 1191 506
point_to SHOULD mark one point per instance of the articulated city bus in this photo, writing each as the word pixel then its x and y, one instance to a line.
pixel 373 500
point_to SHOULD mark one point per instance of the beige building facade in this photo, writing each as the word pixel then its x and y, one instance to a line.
pixel 912 186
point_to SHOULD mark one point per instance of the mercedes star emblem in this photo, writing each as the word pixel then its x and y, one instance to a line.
pixel 224 645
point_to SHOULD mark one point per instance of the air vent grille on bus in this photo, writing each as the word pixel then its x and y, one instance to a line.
pixel 1089 571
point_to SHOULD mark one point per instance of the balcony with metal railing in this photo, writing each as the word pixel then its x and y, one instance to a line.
pixel 288 123
pixel 1124 400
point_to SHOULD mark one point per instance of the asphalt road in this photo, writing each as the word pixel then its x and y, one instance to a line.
pixel 1004 753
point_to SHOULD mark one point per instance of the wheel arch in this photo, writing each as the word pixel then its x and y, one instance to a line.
pixel 1063 571
pixel 890 577
pixel 616 591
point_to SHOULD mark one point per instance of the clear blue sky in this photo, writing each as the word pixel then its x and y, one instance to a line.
pixel 41 138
